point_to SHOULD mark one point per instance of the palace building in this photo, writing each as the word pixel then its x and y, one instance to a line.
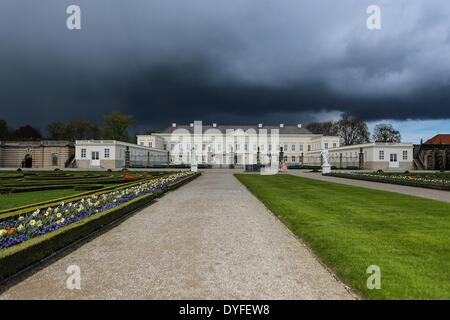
pixel 222 145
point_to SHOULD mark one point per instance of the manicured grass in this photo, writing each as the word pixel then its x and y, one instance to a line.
pixel 14 200
pixel 351 228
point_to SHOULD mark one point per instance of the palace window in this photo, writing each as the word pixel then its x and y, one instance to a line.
pixel 204 147
pixel 293 158
pixel 326 145
pixel 54 159
pixel 309 147
pixel 405 155
pixel 172 146
pixel 150 144
pixel 106 152
pixel 270 147
pixel 285 148
pixel 381 155
pixel 393 157
pixel 301 147
pixel 83 152
pixel 293 147
pixel 245 147
pixel 334 145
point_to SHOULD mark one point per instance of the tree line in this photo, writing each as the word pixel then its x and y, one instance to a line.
pixel 116 127
pixel 355 131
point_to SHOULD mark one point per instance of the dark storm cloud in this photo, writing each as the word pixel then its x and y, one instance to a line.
pixel 235 61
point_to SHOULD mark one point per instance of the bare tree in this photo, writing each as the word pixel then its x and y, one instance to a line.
pixel 386 133
pixel 353 131
pixel 328 128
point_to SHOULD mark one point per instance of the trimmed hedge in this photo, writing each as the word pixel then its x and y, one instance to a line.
pixel 404 182
pixel 83 187
pixel 19 210
pixel 26 253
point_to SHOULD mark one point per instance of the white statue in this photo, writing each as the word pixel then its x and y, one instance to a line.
pixel 326 168
pixel 325 157
pixel 194 167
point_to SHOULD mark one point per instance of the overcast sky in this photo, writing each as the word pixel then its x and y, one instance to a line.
pixel 233 61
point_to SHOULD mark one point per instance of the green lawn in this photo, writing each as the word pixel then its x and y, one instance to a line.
pixel 350 228
pixel 14 200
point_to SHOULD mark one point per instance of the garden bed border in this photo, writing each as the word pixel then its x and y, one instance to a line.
pixel 404 182
pixel 20 256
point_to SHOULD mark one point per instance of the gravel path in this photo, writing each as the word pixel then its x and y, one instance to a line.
pixel 440 195
pixel 210 239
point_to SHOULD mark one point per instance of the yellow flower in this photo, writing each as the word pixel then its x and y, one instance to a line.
pixel 58 215
pixel 32 223
pixel 21 218
pixel 20 227
pixel 39 223
pixel 3 232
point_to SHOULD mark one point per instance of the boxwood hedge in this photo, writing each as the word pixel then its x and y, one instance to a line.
pixel 29 252
pixel 405 182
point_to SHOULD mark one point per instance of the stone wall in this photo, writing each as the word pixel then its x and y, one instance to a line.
pixel 13 153
pixel 432 157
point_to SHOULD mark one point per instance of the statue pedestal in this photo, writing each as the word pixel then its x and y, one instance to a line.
pixel 326 168
pixel 194 168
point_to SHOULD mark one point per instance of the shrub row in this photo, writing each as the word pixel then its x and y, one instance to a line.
pixel 19 210
pixel 22 255
pixel 72 181
pixel 87 187
pixel 405 182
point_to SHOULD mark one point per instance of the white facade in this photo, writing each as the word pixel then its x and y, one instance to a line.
pixel 112 154
pixel 214 144
pixel 384 156
pixel 151 141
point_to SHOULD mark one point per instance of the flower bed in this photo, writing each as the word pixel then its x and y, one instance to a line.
pixel 16 230
pixel 424 180
pixel 29 237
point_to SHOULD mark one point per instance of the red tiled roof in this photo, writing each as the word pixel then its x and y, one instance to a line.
pixel 439 139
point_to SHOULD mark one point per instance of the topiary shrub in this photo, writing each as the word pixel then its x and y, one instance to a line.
pixel 19 170
pixel 380 171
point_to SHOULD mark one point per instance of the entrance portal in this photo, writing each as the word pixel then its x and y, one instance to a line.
pixel 28 163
